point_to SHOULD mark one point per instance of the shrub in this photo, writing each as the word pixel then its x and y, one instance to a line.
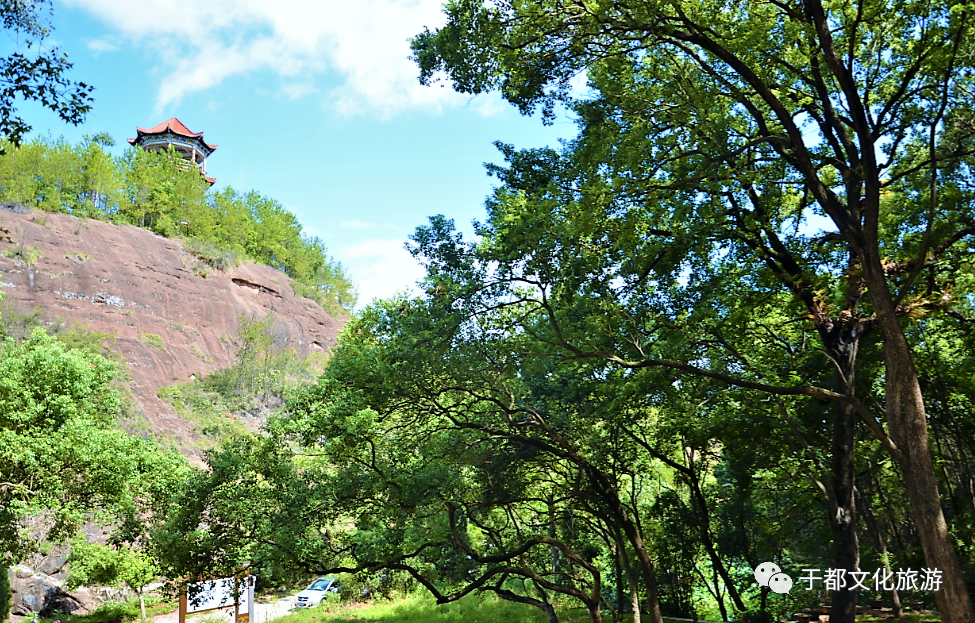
pixel 25 253
pixel 152 340
pixel 5 594
pixel 212 254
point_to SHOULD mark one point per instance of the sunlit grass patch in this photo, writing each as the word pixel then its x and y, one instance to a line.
pixel 422 609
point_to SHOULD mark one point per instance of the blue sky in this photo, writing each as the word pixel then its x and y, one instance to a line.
pixel 312 103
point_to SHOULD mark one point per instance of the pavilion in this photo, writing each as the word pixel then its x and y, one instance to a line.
pixel 189 144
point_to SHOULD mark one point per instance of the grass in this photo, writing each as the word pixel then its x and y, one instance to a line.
pixel 423 609
pixel 199 353
pixel 483 609
pixel 117 612
pixel 78 258
pixel 924 617
pixel 207 411
pixel 152 341
pixel 25 253
pixel 211 254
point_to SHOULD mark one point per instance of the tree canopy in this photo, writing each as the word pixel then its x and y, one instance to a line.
pixel 63 460
pixel 34 74
pixel 710 135
pixel 94 564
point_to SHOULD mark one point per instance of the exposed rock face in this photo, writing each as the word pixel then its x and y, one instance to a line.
pixel 133 283
pixel 41 593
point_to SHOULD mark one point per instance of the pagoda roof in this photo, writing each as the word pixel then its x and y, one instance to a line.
pixel 173 125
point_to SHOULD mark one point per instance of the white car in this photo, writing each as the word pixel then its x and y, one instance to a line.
pixel 316 592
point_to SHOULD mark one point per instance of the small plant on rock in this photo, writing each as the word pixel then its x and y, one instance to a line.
pixel 152 341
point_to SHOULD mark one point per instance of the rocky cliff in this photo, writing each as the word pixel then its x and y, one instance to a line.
pixel 137 285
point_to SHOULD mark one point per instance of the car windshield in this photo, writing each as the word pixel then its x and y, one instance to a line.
pixel 321 584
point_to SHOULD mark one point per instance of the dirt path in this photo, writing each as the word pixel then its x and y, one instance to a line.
pixel 264 612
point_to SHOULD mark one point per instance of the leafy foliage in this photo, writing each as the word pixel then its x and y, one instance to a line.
pixel 261 375
pixel 6 594
pixel 650 373
pixel 38 75
pixel 60 453
pixel 709 136
pixel 94 564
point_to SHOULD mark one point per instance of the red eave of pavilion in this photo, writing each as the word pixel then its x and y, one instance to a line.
pixel 173 125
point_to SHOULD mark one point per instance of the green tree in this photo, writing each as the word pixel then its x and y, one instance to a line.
pixel 61 455
pixel 6 594
pixel 35 74
pixel 94 564
pixel 162 192
pixel 724 125
pixel 100 183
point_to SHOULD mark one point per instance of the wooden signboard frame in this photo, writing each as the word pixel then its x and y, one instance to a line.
pixel 248 584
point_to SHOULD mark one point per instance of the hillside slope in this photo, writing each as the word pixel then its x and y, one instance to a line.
pixel 137 285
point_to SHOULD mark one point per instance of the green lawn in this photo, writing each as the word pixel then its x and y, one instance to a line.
pixel 471 609
pixel 422 609
pixel 115 612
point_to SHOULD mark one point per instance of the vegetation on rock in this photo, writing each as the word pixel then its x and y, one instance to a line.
pixel 156 191
pixel 262 374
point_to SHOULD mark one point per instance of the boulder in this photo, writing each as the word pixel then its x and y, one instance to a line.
pixel 54 566
pixel 14 206
pixel 43 594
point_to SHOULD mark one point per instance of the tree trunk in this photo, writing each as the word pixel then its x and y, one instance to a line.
pixel 881 542
pixel 652 601
pixel 718 596
pixel 631 580
pixel 595 614
pixel 716 563
pixel 909 430
pixel 607 492
pixel 842 502
pixel 842 511
pixel 619 580
pixel 542 604
pixel 552 550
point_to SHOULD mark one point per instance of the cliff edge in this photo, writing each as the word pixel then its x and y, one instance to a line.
pixel 137 285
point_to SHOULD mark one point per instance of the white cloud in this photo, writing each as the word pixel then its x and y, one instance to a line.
pixel 364 42
pixel 380 268
pixel 100 45
pixel 297 89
